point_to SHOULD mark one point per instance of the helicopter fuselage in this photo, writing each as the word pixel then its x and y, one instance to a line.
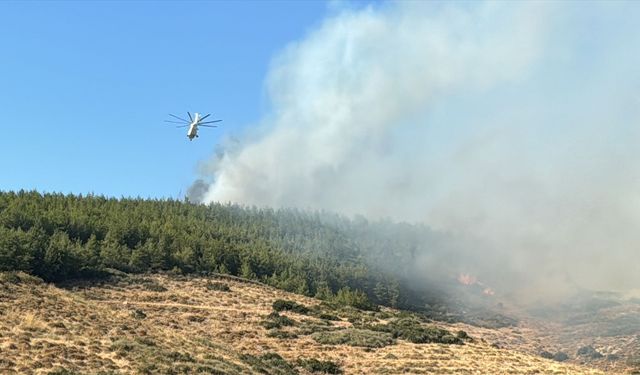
pixel 193 131
pixel 193 127
pixel 193 123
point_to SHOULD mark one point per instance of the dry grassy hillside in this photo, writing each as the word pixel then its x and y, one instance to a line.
pixel 173 324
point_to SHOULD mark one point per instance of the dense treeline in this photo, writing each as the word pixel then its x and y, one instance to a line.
pixel 58 237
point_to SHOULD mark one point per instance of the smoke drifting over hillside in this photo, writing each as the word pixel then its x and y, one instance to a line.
pixel 513 125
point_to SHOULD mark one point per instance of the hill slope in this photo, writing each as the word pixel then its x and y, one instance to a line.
pixel 174 324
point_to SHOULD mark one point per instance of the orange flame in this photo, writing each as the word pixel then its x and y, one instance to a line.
pixel 467 279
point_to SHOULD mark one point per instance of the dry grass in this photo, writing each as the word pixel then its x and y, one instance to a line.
pixel 162 324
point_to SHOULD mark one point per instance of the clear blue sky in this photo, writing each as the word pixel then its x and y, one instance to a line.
pixel 85 87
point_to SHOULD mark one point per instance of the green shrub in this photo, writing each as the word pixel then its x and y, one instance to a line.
pixel 354 337
pixel 560 356
pixel 590 352
pixel 180 357
pixel 314 365
pixel 284 305
pixel 545 354
pixel 356 316
pixel 463 335
pixel 138 314
pixel 326 316
pixel 383 315
pixel 308 326
pixel 145 341
pixel 147 368
pixel 275 320
pixel 269 363
pixel 123 346
pixel 217 286
pixel 61 371
pixel 19 277
pixel 354 298
pixel 485 319
pixel 410 329
pixel 153 287
pixel 282 335
pixel 57 325
pixel 634 360
pixel 448 339
pixel 196 318
pixel 612 357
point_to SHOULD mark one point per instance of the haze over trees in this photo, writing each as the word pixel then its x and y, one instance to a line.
pixel 353 262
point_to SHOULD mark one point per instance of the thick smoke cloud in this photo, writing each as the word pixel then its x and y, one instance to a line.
pixel 197 191
pixel 514 124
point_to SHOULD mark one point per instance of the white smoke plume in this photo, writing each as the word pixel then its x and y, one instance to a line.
pixel 512 123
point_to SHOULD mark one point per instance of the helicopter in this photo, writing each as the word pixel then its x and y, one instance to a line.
pixel 193 123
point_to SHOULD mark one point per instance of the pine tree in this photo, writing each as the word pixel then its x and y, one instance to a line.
pixel 246 271
pixel 323 291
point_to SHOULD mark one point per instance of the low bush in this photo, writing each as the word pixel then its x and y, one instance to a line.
pixel 484 319
pixel 145 341
pixel 314 365
pixel 275 320
pixel 282 335
pixel 147 368
pixel 545 354
pixel 612 357
pixel 123 346
pixel 269 363
pixel 180 357
pixel 285 305
pixel 355 298
pixel 590 352
pixel 355 316
pixel 58 325
pixel 196 318
pixel 326 316
pixel 138 314
pixel 308 326
pixel 410 329
pixel 633 361
pixel 383 315
pixel 463 335
pixel 560 356
pixel 61 371
pixel 354 337
pixel 217 286
pixel 153 287
pixel 19 277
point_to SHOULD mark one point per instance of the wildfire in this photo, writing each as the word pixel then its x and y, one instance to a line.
pixel 466 279
pixel 469 280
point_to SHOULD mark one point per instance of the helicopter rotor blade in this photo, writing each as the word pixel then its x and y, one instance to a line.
pixel 182 126
pixel 179 118
pixel 190 118
pixel 209 126
pixel 174 122
pixel 202 118
pixel 209 122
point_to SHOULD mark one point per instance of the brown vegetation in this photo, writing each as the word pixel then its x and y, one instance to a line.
pixel 172 324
